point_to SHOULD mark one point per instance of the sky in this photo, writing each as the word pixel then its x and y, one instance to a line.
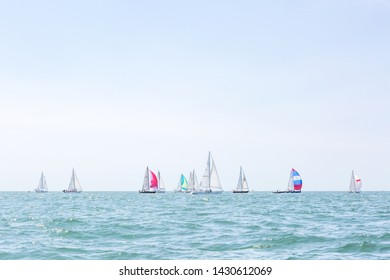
pixel 110 87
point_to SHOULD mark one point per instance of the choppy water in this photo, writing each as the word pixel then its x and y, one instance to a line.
pixel 258 225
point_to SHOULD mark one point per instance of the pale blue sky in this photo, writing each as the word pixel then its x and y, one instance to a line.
pixel 109 87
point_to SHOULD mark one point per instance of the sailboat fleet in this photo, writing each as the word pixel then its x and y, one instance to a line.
pixel 209 184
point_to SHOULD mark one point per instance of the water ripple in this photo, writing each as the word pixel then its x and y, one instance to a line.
pixel 127 225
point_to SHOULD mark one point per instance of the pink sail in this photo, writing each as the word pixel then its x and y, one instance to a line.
pixel 153 181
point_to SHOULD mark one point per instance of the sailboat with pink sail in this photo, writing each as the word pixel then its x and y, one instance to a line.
pixel 294 183
pixel 150 184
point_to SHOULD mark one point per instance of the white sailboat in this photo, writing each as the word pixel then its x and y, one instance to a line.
pixel 160 183
pixel 74 185
pixel 193 183
pixel 210 183
pixel 42 186
pixel 355 184
pixel 242 185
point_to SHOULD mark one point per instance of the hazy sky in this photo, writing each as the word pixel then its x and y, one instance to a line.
pixel 109 87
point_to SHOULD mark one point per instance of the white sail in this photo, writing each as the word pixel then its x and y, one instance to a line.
pixel 239 184
pixel 358 184
pixel 42 186
pixel 145 186
pixel 74 184
pixel 355 184
pixel 352 183
pixel 195 179
pixel 191 183
pixel 290 185
pixel 245 186
pixel 205 182
pixel 161 185
pixel 215 183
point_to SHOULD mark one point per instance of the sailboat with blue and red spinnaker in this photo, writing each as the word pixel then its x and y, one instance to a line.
pixel 294 183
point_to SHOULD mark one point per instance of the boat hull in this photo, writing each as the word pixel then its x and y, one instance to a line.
pixel 206 192
pixel 286 192
pixel 240 191
pixel 147 191
pixel 66 191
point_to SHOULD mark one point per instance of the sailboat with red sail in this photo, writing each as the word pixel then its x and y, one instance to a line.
pixel 294 183
pixel 150 184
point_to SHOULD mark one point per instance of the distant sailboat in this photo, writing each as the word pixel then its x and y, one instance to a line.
pixel 356 184
pixel 242 185
pixel 192 182
pixel 182 185
pixel 294 183
pixel 150 184
pixel 42 186
pixel 160 183
pixel 74 185
pixel 210 183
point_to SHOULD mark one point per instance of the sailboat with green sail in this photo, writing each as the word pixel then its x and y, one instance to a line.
pixel 182 185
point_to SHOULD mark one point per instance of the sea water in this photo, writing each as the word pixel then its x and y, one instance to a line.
pixel 176 226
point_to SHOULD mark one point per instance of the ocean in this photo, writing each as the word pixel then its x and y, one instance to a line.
pixel 175 226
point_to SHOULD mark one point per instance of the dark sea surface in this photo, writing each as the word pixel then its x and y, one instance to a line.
pixel 173 226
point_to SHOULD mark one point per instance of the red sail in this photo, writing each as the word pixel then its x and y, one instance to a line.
pixel 153 181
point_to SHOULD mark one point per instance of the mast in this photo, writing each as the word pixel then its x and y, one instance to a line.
pixel 208 166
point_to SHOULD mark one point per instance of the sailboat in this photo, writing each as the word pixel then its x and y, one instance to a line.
pixel 42 186
pixel 210 183
pixel 182 185
pixel 192 182
pixel 150 184
pixel 74 185
pixel 294 183
pixel 356 183
pixel 160 183
pixel 242 185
